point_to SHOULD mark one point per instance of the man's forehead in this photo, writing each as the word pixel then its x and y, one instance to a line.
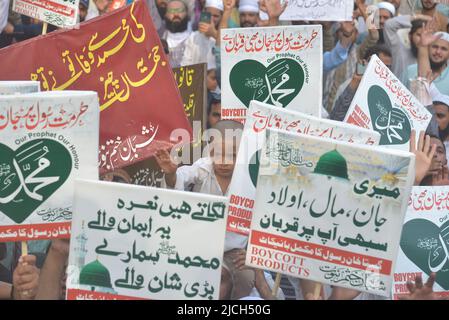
pixel 213 11
pixel 384 12
pixel 441 43
pixel 176 4
pixel 436 141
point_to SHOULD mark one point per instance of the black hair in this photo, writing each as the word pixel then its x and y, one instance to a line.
pixel 436 137
pixel 441 102
pixel 377 49
pixel 416 24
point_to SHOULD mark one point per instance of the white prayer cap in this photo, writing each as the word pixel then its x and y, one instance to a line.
pixel 387 6
pixel 444 36
pixel 441 98
pixel 249 6
pixel 217 4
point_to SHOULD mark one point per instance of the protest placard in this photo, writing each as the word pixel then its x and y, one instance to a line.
pixel 424 241
pixel 118 55
pixel 330 211
pixel 382 103
pixel 281 66
pixel 139 242
pixel 191 82
pixel 261 117
pixel 61 13
pixel 48 140
pixel 311 10
pixel 15 87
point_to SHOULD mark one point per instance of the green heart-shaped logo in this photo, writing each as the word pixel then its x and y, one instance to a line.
pixel 253 167
pixel 278 84
pixel 426 245
pixel 392 123
pixel 30 175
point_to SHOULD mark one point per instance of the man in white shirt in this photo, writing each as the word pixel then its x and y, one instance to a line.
pixel 177 30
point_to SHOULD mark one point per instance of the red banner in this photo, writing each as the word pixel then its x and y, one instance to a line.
pixel 118 55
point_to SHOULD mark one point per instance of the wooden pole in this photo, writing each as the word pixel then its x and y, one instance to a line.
pixel 25 253
pixel 24 248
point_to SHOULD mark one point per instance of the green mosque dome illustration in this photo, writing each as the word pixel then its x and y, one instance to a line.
pixel 332 164
pixel 95 274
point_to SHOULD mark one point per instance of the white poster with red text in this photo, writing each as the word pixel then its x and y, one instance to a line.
pixel 331 211
pixel 425 241
pixel 281 66
pixel 382 103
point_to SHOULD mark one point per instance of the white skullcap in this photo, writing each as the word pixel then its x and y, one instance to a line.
pixel 444 36
pixel 249 6
pixel 387 6
pixel 217 4
pixel 441 98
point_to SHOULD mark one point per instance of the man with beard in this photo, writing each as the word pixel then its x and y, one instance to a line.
pixel 429 9
pixel 83 7
pixel 177 30
pixel 433 56
pixel 386 12
pixel 248 13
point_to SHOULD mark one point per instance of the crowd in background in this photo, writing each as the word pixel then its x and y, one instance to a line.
pixel 411 39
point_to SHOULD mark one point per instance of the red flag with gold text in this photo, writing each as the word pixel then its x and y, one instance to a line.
pixel 120 56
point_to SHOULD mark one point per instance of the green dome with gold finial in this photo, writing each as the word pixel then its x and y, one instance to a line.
pixel 332 164
pixel 95 274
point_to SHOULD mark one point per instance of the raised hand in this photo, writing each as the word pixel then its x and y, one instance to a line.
pixel 427 35
pixel 423 154
pixel 420 291
pixel 348 29
pixel 165 162
pixel 362 8
pixel 273 8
